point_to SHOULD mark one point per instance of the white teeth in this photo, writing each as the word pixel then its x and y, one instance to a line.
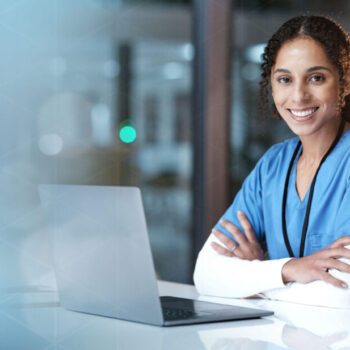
pixel 304 113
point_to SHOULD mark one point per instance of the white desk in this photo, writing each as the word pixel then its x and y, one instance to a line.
pixel 32 320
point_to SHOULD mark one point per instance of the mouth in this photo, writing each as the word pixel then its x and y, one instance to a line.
pixel 304 114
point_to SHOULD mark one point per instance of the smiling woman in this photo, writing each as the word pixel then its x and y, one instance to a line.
pixel 306 179
pixel 306 97
pixel 306 93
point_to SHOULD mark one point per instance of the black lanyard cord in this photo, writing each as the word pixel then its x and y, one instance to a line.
pixel 312 187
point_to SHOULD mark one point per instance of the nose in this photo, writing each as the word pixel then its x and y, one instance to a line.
pixel 300 92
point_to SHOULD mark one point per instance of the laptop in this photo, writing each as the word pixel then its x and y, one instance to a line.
pixel 103 261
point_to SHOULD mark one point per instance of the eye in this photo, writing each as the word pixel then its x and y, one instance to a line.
pixel 317 78
pixel 283 80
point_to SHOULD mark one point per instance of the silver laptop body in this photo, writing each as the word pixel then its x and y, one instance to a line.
pixel 103 261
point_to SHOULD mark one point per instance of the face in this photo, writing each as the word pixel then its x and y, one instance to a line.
pixel 305 87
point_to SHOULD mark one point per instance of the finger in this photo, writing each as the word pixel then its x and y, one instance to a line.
pixel 342 241
pixel 325 276
pixel 228 242
pixel 336 264
pixel 236 233
pixel 247 227
pixel 221 250
pixel 338 252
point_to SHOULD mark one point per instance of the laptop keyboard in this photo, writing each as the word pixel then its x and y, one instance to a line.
pixel 177 314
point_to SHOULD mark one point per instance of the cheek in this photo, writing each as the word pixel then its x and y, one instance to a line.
pixel 330 95
pixel 330 99
pixel 279 97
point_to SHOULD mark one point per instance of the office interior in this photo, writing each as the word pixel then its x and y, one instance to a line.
pixel 162 95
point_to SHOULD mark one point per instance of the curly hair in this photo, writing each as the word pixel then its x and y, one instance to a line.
pixel 332 37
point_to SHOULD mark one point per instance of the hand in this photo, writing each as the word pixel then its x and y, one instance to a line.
pixel 315 266
pixel 248 247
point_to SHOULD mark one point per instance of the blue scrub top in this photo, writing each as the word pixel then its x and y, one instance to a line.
pixel 260 198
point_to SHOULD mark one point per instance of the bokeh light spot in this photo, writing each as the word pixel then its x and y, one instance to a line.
pixel 127 134
pixel 50 144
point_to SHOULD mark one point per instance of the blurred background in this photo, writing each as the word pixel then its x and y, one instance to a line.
pixel 122 92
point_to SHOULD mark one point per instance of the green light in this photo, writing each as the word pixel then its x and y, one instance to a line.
pixel 127 134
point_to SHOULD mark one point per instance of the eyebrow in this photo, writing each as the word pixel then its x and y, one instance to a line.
pixel 309 70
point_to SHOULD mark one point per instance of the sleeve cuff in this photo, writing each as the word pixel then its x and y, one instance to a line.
pixel 273 270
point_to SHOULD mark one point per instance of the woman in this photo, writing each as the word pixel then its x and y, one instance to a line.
pixel 296 201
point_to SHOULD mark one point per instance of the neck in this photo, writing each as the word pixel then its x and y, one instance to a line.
pixel 315 146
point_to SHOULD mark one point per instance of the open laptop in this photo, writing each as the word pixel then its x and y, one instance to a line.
pixel 103 260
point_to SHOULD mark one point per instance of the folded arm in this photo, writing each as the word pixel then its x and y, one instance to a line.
pixel 318 292
pixel 231 277
pixel 228 269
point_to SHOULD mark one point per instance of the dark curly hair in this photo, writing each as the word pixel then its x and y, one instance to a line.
pixel 332 37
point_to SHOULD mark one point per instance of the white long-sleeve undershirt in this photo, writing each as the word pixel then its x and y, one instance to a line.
pixel 222 276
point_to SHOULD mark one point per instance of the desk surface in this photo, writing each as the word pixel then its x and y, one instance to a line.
pixel 32 319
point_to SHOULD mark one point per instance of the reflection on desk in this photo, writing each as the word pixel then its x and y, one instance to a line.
pixel 34 320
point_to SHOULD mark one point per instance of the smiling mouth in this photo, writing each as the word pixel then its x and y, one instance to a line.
pixel 304 113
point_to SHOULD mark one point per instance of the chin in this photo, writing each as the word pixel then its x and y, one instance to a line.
pixel 311 126
pixel 300 130
pixel 300 133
